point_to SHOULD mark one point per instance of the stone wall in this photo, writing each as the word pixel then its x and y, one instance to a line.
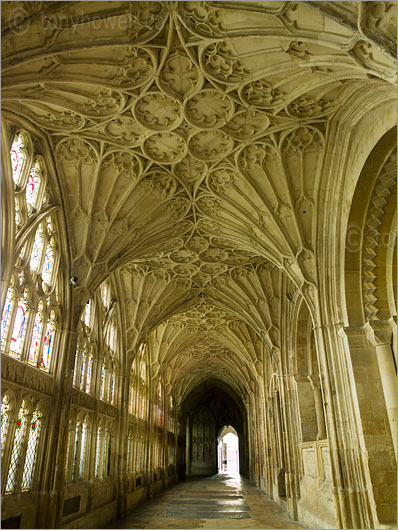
pixel 316 507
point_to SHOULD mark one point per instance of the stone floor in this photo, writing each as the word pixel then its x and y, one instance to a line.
pixel 222 501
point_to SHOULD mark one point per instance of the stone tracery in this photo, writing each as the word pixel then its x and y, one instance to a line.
pixel 190 148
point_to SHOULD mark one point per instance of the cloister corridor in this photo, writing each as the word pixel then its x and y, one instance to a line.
pixel 199 264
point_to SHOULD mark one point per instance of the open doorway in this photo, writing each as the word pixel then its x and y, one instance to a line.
pixel 228 450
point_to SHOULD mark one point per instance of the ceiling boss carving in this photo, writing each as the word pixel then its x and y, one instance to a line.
pixel 189 138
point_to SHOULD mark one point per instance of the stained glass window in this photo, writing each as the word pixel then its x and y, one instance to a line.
pixel 131 399
pixel 37 250
pixel 102 386
pixel 36 336
pixel 33 186
pixel 18 157
pixel 112 387
pixel 5 420
pixel 75 451
pixel 6 316
pixel 49 260
pixel 31 452
pixel 98 453
pixel 82 451
pixel 82 384
pixel 20 433
pixel 89 373
pixel 48 343
pixel 19 329
pixel 75 370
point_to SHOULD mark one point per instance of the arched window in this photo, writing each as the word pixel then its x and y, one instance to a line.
pixel 98 453
pixel 143 399
pixel 133 388
pixel 19 327
pixel 5 421
pixel 83 436
pixel 36 335
pixel 84 357
pixel 102 383
pixel 33 186
pixel 108 376
pixel 18 157
pixel 31 452
pixel 29 315
pixel 76 461
pixel 6 316
pixel 158 405
pixel 17 449
pixel 105 294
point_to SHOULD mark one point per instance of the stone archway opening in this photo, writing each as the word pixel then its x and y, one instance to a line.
pixel 228 450
pixel 208 413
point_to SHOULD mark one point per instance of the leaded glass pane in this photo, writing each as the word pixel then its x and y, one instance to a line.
pixel 82 451
pixel 18 157
pixel 37 250
pixel 19 329
pixel 48 344
pixel 16 454
pixel 36 336
pixel 98 453
pixel 75 369
pixel 6 316
pixel 5 421
pixel 83 368
pixel 31 452
pixel 112 387
pixel 108 456
pixel 102 386
pixel 89 373
pixel 33 186
pixel 75 451
pixel 49 260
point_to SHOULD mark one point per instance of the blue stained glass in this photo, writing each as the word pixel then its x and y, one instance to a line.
pixel 102 382
pixel 48 345
pixel 36 338
pixel 89 373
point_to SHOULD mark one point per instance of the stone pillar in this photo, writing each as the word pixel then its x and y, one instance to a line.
pixel 381 339
pixel 320 417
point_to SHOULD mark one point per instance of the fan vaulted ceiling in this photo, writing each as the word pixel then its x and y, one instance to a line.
pixel 188 140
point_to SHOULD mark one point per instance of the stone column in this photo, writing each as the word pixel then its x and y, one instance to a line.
pixel 320 417
pixel 381 339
